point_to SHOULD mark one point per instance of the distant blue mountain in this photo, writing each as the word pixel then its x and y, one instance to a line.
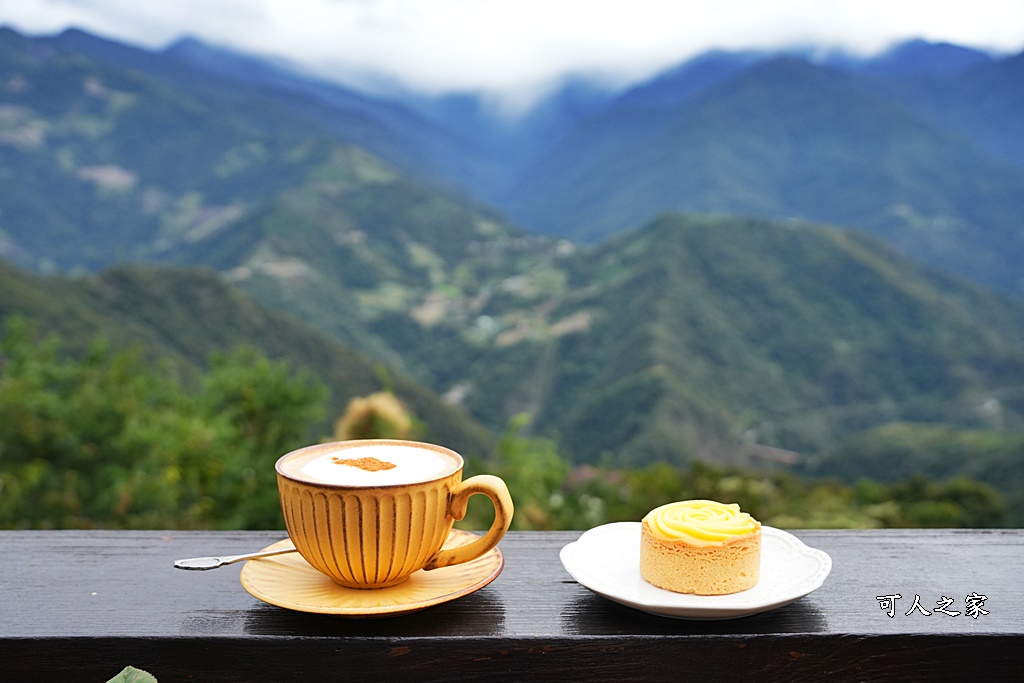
pixel 931 159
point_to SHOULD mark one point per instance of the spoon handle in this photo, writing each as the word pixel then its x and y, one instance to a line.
pixel 202 563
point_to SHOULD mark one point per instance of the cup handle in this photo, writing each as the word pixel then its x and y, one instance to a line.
pixel 495 489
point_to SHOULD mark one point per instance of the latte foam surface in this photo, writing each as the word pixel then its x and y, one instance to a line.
pixel 372 465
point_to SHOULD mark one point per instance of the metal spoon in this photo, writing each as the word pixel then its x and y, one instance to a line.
pixel 214 562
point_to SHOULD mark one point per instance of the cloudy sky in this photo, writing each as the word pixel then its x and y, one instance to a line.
pixel 518 48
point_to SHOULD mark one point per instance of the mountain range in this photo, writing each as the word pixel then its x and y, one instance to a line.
pixel 922 146
pixel 933 166
pixel 746 329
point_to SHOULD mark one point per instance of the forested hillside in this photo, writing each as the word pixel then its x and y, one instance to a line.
pixel 112 439
pixel 183 317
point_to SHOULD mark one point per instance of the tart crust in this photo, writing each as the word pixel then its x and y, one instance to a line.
pixel 731 566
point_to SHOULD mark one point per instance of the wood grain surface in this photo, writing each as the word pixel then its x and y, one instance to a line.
pixel 80 605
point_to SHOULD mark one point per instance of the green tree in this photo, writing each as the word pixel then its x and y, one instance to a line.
pixel 271 410
pixel 113 440
pixel 534 473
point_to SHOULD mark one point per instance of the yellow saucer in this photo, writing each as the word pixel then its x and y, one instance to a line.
pixel 289 581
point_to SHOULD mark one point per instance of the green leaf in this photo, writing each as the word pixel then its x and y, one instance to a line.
pixel 132 675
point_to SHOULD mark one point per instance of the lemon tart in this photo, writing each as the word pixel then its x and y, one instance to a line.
pixel 701 547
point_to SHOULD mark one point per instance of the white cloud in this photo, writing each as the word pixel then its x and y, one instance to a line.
pixel 519 46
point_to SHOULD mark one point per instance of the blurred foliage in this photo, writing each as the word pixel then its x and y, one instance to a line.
pixel 109 439
pixel 923 452
pixel 377 416
pixel 551 494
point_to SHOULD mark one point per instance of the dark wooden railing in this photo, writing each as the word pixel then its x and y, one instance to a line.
pixel 82 605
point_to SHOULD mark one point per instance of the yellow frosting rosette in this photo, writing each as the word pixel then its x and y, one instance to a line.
pixel 700 522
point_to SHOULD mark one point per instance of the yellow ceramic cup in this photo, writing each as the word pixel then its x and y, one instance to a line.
pixel 369 513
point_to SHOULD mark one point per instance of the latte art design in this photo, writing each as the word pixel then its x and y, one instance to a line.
pixel 700 522
pixel 365 464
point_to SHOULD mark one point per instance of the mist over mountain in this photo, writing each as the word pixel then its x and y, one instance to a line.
pixel 918 57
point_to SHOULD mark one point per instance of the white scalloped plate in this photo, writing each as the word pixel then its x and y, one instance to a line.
pixel 606 560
